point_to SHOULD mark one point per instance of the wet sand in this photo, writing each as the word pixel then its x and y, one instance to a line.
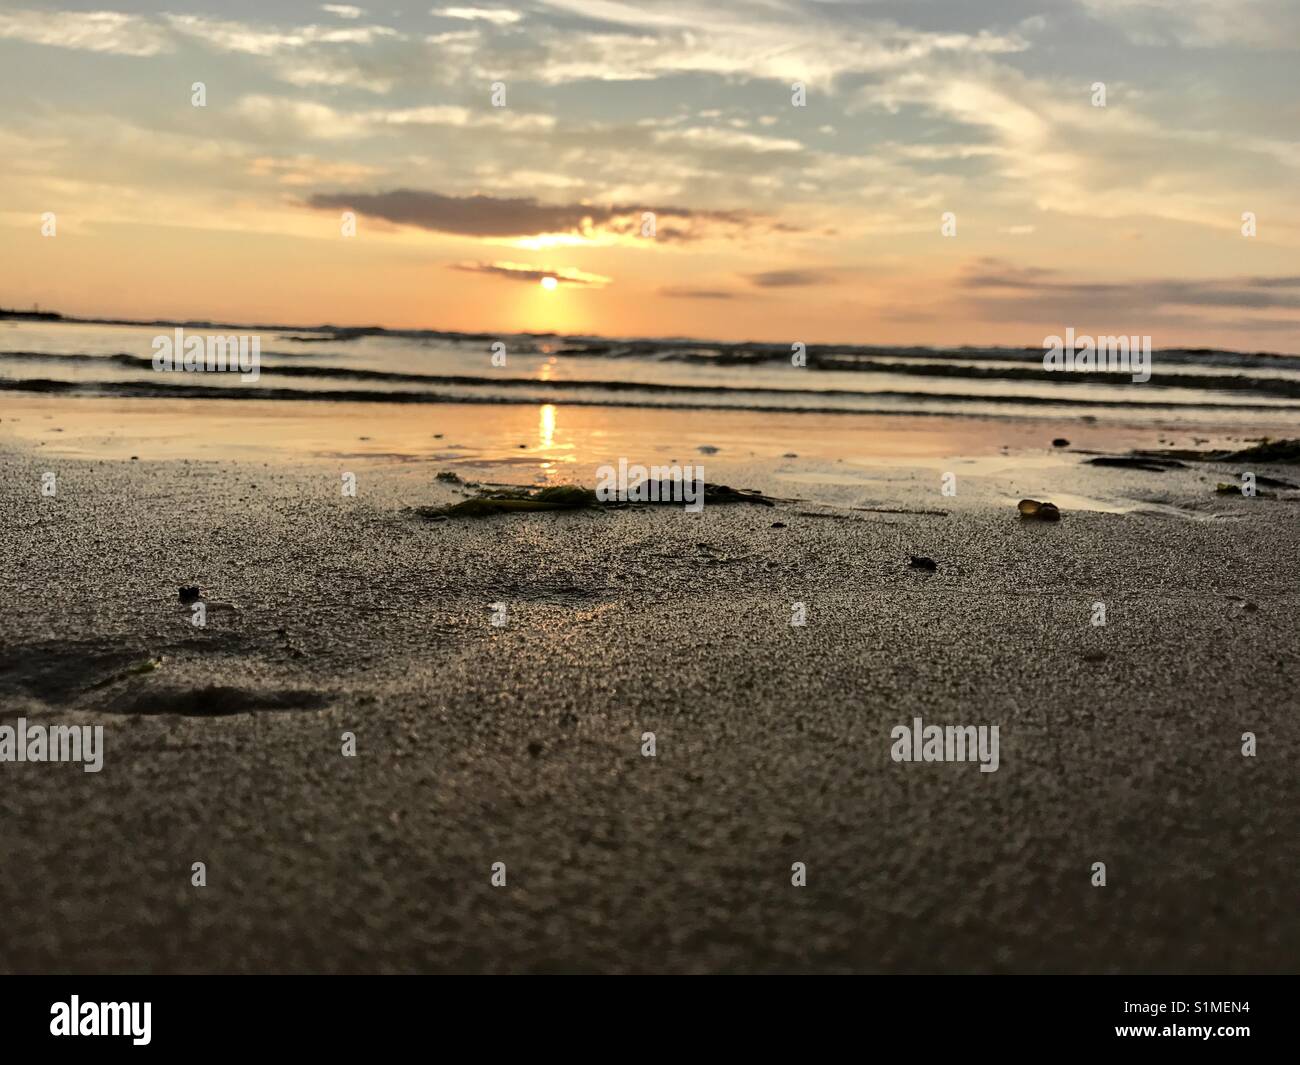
pixel 522 743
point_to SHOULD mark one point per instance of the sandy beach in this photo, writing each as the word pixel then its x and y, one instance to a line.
pixel 522 743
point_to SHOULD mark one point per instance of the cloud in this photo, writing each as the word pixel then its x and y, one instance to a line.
pixel 90 31
pixel 301 170
pixel 285 118
pixel 494 216
pixel 686 292
pixel 933 110
pixel 1264 24
pixel 228 36
pixel 997 273
pixel 372 58
pixel 725 140
pixel 566 275
pixel 996 291
pixel 450 115
pixel 1246 292
pixel 279 119
pixel 787 278
pixel 816 43
pixel 799 41
pixel 1046 139
pixel 497 16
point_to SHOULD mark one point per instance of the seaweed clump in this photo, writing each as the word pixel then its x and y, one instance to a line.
pixel 515 500
pixel 575 497
pixel 1267 451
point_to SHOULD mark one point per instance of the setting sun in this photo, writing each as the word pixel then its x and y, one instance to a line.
pixel 549 283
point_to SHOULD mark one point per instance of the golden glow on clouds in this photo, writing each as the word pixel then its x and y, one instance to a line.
pixel 555 240
pixel 816 224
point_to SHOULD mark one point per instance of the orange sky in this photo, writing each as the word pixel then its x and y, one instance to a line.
pixel 774 221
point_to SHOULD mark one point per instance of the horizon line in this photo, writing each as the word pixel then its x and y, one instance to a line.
pixel 328 327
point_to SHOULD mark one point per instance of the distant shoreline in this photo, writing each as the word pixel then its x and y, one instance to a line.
pixel 35 316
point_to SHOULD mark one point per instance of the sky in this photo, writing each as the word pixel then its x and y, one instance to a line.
pixel 817 171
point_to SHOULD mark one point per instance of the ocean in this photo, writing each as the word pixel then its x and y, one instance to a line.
pixel 406 366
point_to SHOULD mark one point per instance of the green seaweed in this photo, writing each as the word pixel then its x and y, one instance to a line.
pixel 136 669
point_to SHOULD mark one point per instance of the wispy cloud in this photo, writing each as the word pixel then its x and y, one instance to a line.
pixel 995 290
pixel 713 139
pixel 566 275
pixel 499 16
pixel 90 31
pixel 788 278
pixel 810 42
pixel 687 292
pixel 1245 292
pixel 496 216
pixel 1266 24
pixel 285 117
pixel 373 58
pixel 231 36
